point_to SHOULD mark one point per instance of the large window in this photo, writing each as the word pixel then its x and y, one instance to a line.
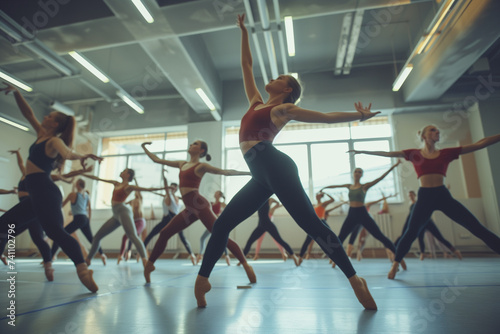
pixel 126 152
pixel 320 152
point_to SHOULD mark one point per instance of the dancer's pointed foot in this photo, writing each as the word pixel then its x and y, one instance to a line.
pixel 349 250
pixel 390 254
pixel 49 271
pixel 120 258
pixel 148 269
pixel 85 276
pixel 198 258
pixel 87 261
pixel 127 255
pixel 104 258
pixel 4 259
pixel 333 264
pixel 422 256
pixel 300 260
pixel 458 254
pixel 308 256
pixel 250 273
pixel 228 260
pixel 403 264
pixel 193 259
pixel 359 255
pixel 255 258
pixel 296 260
pixel 201 287
pixel 393 271
pixel 362 293
pixel 284 257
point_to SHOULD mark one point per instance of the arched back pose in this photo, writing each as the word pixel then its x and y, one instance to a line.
pixel 122 215
pixel 357 210
pixel 275 172
pixel 320 209
pixel 171 207
pixel 266 225
pixel 82 211
pixel 52 148
pixel 197 207
pixel 430 226
pixel 217 206
pixel 431 164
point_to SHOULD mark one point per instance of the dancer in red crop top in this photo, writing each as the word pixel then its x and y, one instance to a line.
pixel 273 172
pixel 431 164
pixel 197 207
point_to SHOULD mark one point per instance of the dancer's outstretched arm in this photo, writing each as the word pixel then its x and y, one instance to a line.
pixel 485 142
pixel 207 168
pixel 368 185
pixel 390 154
pixel 170 163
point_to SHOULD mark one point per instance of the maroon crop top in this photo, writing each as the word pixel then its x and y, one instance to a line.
pixel 439 165
pixel 257 125
pixel 188 178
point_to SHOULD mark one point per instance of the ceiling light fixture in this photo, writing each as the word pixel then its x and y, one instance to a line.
pixel 446 7
pixel 89 66
pixel 16 82
pixel 14 124
pixel 205 99
pixel 143 10
pixel 402 77
pixel 130 101
pixel 290 40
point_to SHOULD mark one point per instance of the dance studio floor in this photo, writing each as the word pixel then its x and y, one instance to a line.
pixel 433 296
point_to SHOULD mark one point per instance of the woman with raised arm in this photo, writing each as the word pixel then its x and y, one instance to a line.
pixel 320 210
pixel 122 215
pixel 431 165
pixel 196 206
pixel 81 211
pixel 217 206
pixel 264 225
pixel 357 211
pixel 51 148
pixel 274 172
pixel 430 227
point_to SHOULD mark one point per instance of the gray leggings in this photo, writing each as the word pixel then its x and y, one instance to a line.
pixel 121 215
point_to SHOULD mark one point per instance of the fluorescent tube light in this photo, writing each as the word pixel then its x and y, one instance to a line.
pixel 131 102
pixel 89 66
pixel 143 10
pixel 290 41
pixel 15 81
pixel 205 99
pixel 436 25
pixel 14 124
pixel 402 77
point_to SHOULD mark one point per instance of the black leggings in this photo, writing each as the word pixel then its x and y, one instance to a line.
pixel 266 225
pixel 354 234
pixel 46 200
pixel 273 172
pixel 79 222
pixel 439 198
pixel 360 216
pixel 431 227
pixel 24 217
pixel 157 229
pixel 308 240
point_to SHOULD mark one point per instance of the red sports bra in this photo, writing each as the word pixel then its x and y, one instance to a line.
pixel 257 125
pixel 439 165
pixel 188 178
pixel 119 195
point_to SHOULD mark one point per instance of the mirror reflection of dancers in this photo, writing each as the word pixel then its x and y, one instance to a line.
pixel 197 207
pixel 275 172
pixel 51 148
pixel 217 206
pixel 357 211
pixel 430 227
pixel 431 165
pixel 266 225
pixel 171 207
pixel 81 211
pixel 122 214
pixel 320 210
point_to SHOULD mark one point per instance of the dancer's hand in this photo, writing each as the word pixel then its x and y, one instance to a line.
pixel 9 88
pixel 146 143
pixel 14 151
pixel 241 22
pixel 354 151
pixel 365 112
pixel 89 156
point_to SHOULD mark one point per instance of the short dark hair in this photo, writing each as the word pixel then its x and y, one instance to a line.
pixel 296 87
pixel 131 174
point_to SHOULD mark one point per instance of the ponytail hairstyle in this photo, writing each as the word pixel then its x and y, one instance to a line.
pixel 66 129
pixel 204 146
pixel 296 87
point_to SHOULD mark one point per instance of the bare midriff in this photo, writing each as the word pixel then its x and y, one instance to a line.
pixel 246 145
pixel 356 204
pixel 431 180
